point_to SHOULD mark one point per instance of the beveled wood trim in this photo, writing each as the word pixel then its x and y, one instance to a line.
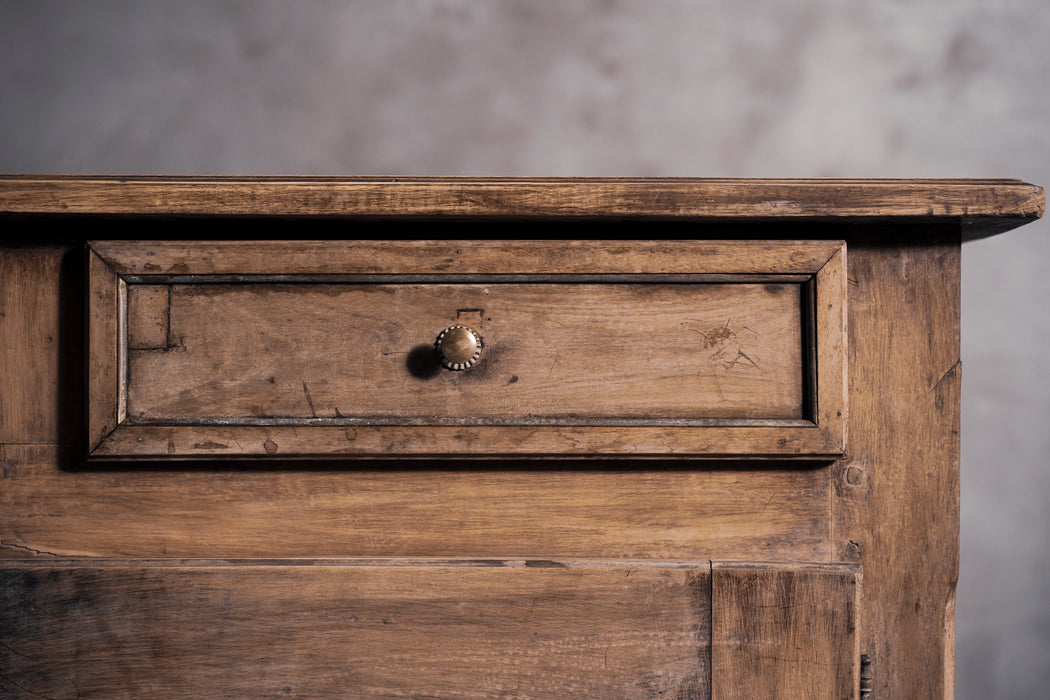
pixel 993 204
pixel 350 258
pixel 830 344
pixel 106 382
pixel 139 442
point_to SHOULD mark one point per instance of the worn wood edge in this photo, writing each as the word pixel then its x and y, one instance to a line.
pixel 531 257
pixel 378 442
pixel 1004 202
pixel 807 567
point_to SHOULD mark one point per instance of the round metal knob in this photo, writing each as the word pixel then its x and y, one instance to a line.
pixel 458 347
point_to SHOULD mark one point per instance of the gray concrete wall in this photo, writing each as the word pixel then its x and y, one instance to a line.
pixel 604 87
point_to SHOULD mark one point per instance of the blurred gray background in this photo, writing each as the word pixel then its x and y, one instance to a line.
pixel 606 87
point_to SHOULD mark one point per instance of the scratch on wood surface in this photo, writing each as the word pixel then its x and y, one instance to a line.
pixel 952 371
pixel 16 652
pixel 309 401
pixel 23 548
pixel 210 445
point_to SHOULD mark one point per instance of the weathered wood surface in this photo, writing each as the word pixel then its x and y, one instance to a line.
pixel 784 632
pixel 439 509
pixel 392 628
pixel 984 206
pixel 148 311
pixel 469 630
pixel 896 505
pixel 567 353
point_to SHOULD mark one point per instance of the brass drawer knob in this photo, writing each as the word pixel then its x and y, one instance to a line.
pixel 458 347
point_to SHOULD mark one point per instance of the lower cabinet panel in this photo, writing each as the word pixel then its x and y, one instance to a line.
pixel 409 628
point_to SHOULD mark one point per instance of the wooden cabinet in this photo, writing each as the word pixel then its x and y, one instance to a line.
pixel 708 447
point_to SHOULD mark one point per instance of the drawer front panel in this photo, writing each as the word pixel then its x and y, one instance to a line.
pixel 632 352
pixel 553 353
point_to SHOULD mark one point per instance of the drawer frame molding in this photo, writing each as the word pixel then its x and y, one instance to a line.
pixel 817 266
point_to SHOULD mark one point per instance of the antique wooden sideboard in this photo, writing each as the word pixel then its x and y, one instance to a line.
pixel 454 437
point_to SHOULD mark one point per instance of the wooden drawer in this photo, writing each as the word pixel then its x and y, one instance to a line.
pixel 326 349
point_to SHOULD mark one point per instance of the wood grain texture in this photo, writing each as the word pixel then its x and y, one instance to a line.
pixel 29 344
pixel 148 307
pixel 161 259
pixel 571 353
pixel 984 206
pixel 444 509
pixel 896 506
pixel 785 632
pixel 499 629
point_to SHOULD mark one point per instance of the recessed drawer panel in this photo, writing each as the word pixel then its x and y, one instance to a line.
pixel 575 348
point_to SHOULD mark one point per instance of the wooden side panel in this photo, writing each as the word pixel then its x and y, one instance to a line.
pixel 437 509
pixel 896 502
pixel 29 344
pixel 788 632
pixel 507 629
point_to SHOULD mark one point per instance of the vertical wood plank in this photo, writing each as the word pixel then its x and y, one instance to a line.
pixel 896 504
pixel 784 632
pixel 29 344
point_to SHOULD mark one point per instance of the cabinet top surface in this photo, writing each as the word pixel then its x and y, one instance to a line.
pixel 981 207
